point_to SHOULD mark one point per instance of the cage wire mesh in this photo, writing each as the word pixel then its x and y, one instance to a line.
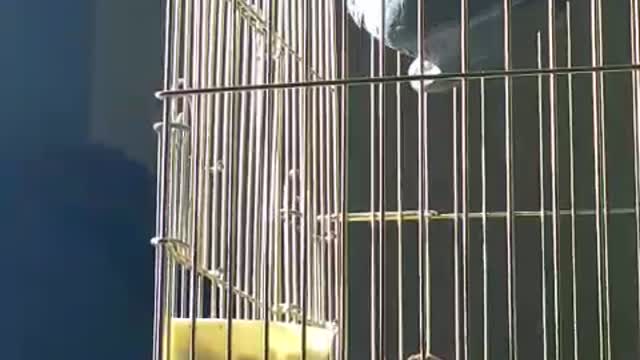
pixel 315 202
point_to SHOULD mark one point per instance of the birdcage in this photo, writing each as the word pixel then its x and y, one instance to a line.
pixel 353 179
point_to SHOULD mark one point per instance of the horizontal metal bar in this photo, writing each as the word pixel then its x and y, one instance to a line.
pixel 413 215
pixel 170 93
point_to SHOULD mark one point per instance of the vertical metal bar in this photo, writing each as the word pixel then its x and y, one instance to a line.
pixel 572 182
pixel 326 155
pixel 334 175
pixel 314 162
pixel 381 186
pixel 289 196
pixel 543 247
pixel 299 157
pixel 635 86
pixel 512 319
pixel 175 187
pixel 331 57
pixel 203 23
pixel 177 167
pixel 464 128
pixel 344 146
pixel 244 228
pixel 188 112
pixel 400 208
pixel 231 168
pixel 182 181
pixel 217 257
pixel 307 180
pixel 161 308
pixel 261 131
pixel 331 160
pixel 372 204
pixel 555 220
pixel 224 138
pixel 277 163
pixel 423 198
pixel 597 88
pixel 193 81
pixel 290 204
pixel 253 175
pixel 211 110
pixel 456 234
pixel 323 153
pixel 186 207
pixel 605 201
pixel 279 150
pixel 485 260
pixel 269 114
pixel 208 23
pixel 195 284
pixel 264 165
pixel 288 114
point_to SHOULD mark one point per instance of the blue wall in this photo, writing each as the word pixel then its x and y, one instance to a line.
pixel 75 265
pixel 46 59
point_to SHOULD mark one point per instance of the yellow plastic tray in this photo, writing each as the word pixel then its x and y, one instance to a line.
pixel 285 340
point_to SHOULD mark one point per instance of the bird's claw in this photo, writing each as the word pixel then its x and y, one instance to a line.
pixel 428 68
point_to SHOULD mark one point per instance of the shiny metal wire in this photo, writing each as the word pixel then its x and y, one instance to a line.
pixel 302 181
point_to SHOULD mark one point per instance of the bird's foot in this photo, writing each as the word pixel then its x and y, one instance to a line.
pixel 428 68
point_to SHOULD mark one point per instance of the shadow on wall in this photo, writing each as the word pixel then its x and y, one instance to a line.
pixel 77 257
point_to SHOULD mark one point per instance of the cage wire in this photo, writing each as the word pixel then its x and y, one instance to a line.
pixel 313 205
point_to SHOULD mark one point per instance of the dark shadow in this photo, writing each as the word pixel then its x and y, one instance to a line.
pixel 77 264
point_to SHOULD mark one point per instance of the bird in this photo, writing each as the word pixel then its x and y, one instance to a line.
pixel 441 49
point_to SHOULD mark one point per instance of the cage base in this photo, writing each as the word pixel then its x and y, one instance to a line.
pixel 285 340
